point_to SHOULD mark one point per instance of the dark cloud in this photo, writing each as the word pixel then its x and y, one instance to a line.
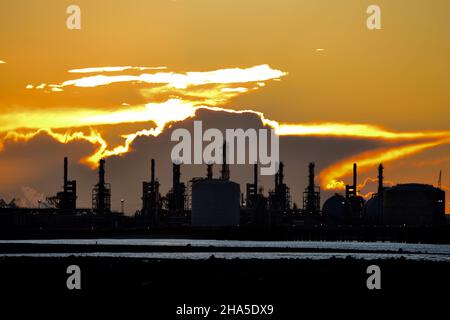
pixel 37 164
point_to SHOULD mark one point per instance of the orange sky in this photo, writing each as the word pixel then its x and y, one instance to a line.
pixel 393 80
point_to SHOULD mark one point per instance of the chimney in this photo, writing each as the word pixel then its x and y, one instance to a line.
pixel 440 180
pixel 225 168
pixel 153 172
pixel 311 186
pixel 380 180
pixel 209 171
pixel 176 176
pixel 311 197
pixel 255 177
pixel 355 185
pixel 101 196
pixel 65 174
pixel 101 173
pixel 281 174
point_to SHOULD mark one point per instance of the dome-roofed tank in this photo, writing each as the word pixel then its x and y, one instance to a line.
pixel 373 211
pixel 337 209
pixel 216 202
pixel 414 204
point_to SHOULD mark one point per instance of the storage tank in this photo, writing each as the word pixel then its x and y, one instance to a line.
pixel 215 203
pixel 337 209
pixel 414 204
pixel 373 211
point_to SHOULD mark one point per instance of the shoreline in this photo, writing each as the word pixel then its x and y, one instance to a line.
pixel 431 235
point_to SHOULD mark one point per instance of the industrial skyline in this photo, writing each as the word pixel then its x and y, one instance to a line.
pixel 210 201
pixel 295 154
pixel 357 96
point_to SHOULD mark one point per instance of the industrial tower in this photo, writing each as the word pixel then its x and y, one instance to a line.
pixel 151 202
pixel 311 195
pixel 101 193
pixel 67 199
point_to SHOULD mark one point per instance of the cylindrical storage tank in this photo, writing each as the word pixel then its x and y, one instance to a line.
pixel 373 211
pixel 414 204
pixel 215 203
pixel 337 209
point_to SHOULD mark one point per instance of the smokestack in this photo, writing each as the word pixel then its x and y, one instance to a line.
pixel 153 172
pixel 380 180
pixel 101 173
pixel 311 185
pixel 255 177
pixel 224 153
pixel 65 173
pixel 311 197
pixel 176 176
pixel 101 199
pixel 225 168
pixel 355 175
pixel 440 180
pixel 281 175
pixel 209 171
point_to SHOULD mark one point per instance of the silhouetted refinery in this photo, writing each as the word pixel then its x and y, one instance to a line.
pixel 216 205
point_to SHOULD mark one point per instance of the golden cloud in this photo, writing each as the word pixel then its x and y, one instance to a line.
pixel 174 97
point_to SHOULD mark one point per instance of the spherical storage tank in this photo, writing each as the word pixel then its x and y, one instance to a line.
pixel 373 211
pixel 215 203
pixel 337 209
pixel 414 204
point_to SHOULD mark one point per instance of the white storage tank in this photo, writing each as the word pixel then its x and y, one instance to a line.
pixel 215 203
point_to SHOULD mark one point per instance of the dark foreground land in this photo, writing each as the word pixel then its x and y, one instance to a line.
pixel 295 287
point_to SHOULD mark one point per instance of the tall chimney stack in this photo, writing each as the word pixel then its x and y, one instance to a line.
pixel 311 197
pixel 225 167
pixel 355 184
pixel 101 172
pixel 281 174
pixel 176 176
pixel 380 180
pixel 255 177
pixel 440 180
pixel 101 207
pixel 311 185
pixel 153 171
pixel 209 171
pixel 65 174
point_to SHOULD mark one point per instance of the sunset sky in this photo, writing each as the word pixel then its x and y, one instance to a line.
pixel 335 91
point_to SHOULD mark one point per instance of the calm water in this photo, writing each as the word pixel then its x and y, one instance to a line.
pixel 377 250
